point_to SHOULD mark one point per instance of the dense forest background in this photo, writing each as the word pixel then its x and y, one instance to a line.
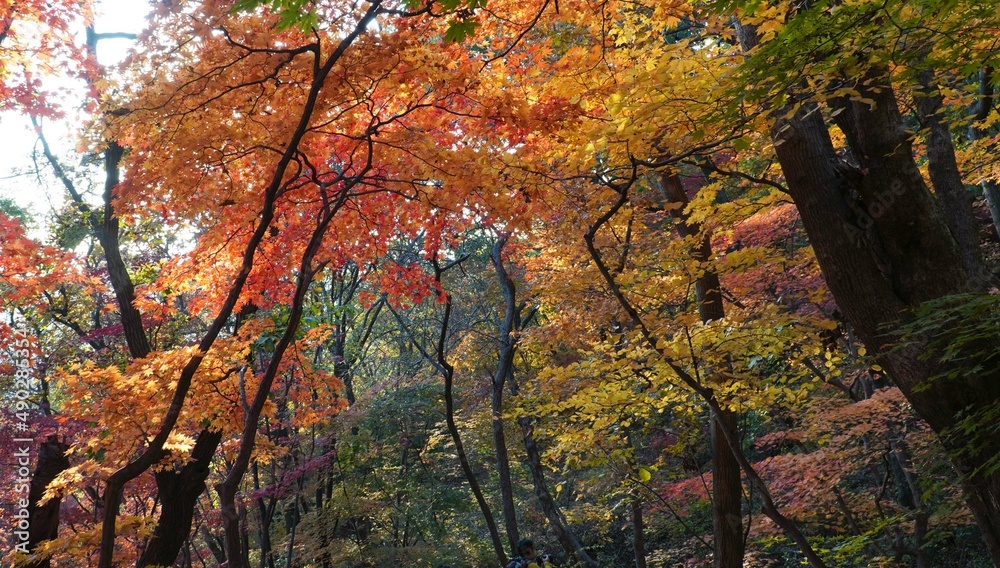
pixel 399 283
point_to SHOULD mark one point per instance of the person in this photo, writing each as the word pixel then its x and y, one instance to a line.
pixel 527 557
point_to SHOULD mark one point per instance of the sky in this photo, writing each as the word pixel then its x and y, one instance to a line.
pixel 17 138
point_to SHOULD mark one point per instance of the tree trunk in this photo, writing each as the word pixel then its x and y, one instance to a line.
pixel 513 322
pixel 883 249
pixel 503 468
pixel 956 202
pixel 235 538
pixel 179 491
pixel 991 192
pixel 900 455
pixel 727 496
pixel 104 227
pixel 44 519
pixel 505 367
pixel 564 535
pixel 981 110
pixel 215 545
pixel 290 551
pixel 449 414
pixel 638 534
pixel 121 282
pixel 439 358
pixel 178 494
pixel 732 439
pixel 727 485
pixel 264 515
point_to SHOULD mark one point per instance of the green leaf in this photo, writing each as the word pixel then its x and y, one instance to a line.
pixel 644 475
pixel 291 13
pixel 458 31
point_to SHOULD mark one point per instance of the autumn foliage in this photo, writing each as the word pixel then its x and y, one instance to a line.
pixel 374 283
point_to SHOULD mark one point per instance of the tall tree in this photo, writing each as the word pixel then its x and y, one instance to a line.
pixel 727 486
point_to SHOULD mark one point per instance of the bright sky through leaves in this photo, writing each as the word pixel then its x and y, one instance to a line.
pixel 17 139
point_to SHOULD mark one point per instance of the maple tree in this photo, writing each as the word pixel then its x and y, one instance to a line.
pixel 702 261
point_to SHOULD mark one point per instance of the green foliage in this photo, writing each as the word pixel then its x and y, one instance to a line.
pixel 450 5
pixel 299 14
pixel 11 209
pixel 291 13
pixel 962 330
pixel 459 30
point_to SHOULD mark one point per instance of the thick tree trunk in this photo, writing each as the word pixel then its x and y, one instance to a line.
pixel 956 202
pixel 883 249
pixel 893 205
pixel 178 492
pixel 727 497
pixel 44 519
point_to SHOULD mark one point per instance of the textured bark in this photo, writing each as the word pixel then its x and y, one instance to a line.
pixel 727 486
pixel 956 202
pixel 894 207
pixel 44 519
pixel 884 248
pixel 727 496
pixel 178 493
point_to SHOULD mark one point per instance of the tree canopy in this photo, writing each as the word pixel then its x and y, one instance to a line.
pixel 670 283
